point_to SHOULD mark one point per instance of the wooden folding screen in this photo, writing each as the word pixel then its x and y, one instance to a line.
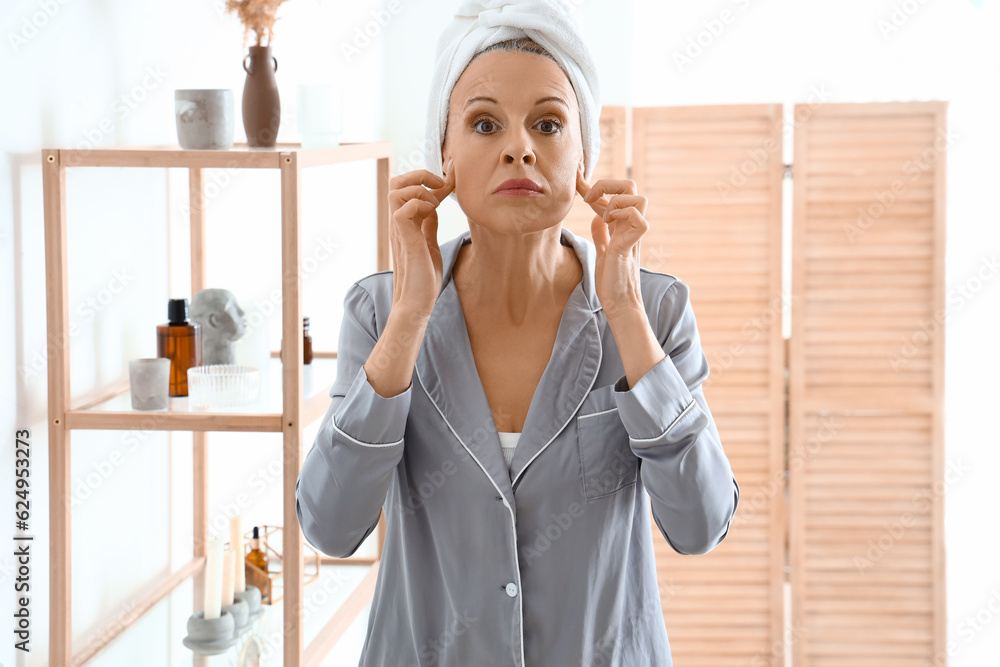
pixel 863 532
pixel 713 178
pixel 866 386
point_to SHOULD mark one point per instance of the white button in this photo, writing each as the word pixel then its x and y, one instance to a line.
pixel 511 590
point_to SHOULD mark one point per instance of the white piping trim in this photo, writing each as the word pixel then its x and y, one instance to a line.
pixel 333 420
pixel 513 519
pixel 600 359
pixel 672 424
pixel 596 414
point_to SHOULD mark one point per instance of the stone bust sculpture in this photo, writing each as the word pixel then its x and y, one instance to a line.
pixel 222 323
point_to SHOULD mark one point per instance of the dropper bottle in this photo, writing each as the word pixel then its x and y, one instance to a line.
pixel 180 341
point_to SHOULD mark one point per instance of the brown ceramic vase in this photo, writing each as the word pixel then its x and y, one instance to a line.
pixel 261 106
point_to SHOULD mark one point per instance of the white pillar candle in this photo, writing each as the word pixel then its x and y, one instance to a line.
pixel 236 544
pixel 213 578
pixel 228 569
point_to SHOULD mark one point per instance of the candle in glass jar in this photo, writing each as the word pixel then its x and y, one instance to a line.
pixel 213 579
pixel 236 544
pixel 228 570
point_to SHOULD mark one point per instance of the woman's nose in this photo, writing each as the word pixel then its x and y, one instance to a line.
pixel 519 147
pixel 526 156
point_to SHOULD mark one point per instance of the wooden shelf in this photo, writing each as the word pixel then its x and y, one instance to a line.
pixel 262 415
pixel 293 394
pixel 240 156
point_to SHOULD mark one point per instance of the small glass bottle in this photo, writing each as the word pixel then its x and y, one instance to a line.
pixel 180 341
pixel 257 558
pixel 307 343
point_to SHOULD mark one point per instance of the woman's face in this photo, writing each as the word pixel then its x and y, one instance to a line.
pixel 530 129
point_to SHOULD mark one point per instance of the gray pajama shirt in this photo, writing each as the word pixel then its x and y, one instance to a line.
pixel 549 563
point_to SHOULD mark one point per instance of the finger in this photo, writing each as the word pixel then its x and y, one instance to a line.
pixel 584 189
pixel 429 227
pixel 394 241
pixel 609 186
pixel 602 236
pixel 628 228
pixel 619 202
pixel 399 197
pixel 416 177
pixel 410 216
pixel 582 186
pixel 449 184
pixel 612 186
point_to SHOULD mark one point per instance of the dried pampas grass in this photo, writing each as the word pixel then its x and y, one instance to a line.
pixel 256 15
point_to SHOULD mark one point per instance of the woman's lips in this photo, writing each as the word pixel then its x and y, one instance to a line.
pixel 518 187
pixel 516 192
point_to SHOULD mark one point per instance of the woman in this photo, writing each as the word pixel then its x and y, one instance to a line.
pixel 534 548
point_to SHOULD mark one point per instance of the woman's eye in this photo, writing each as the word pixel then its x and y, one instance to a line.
pixel 479 121
pixel 556 124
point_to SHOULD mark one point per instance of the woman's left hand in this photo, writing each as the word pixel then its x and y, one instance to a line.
pixel 617 229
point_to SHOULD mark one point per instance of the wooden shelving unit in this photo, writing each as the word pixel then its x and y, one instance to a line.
pixel 296 406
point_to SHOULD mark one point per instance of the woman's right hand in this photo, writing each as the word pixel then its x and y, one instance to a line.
pixel 413 224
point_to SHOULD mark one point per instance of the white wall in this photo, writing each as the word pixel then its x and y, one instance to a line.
pixel 69 77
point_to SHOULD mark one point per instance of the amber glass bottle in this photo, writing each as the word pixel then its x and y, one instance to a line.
pixel 180 341
pixel 307 343
pixel 258 558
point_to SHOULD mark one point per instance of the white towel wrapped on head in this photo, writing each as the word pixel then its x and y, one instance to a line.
pixel 480 24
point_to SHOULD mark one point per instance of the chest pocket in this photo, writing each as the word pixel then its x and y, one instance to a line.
pixel 607 463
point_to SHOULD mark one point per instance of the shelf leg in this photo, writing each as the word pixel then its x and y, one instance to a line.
pixel 384 173
pixel 196 203
pixel 60 505
pixel 200 520
pixel 292 407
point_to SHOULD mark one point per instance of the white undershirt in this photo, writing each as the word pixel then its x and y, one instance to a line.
pixel 508 442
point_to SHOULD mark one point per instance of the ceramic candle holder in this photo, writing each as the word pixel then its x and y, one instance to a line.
pixel 240 612
pixel 210 636
pixel 252 597
pixel 205 118
pixel 149 382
